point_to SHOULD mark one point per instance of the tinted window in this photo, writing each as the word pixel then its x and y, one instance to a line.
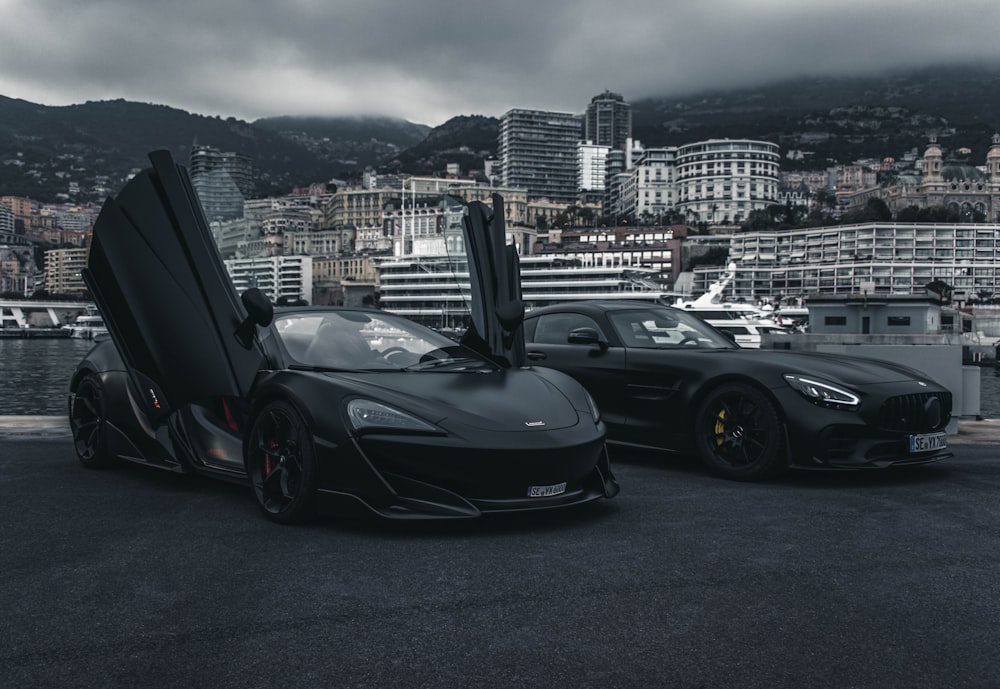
pixel 358 340
pixel 665 329
pixel 554 328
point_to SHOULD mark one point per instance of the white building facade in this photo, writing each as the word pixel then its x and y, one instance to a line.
pixel 721 181
pixel 653 183
pixel 879 258
pixel 280 277
pixel 591 160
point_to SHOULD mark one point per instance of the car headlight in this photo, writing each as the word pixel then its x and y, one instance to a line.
pixel 370 415
pixel 823 394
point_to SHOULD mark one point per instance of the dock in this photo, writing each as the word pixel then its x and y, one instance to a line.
pixel 34 333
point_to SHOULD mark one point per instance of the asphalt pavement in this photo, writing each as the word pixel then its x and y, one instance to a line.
pixel 136 578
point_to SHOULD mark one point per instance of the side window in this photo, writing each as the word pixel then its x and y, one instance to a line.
pixel 554 328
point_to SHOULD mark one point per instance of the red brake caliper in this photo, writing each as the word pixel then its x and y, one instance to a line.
pixel 268 460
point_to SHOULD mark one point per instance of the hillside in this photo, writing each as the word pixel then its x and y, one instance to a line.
pixel 831 120
pixel 838 119
pixel 348 144
pixel 98 144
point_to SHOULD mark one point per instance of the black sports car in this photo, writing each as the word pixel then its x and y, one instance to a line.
pixel 664 378
pixel 321 406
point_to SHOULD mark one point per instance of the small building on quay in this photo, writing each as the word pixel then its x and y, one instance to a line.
pixel 922 331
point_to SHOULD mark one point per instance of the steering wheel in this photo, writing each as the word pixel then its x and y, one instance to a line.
pixel 438 353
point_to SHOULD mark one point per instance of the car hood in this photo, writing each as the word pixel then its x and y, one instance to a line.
pixel 504 399
pixel 854 371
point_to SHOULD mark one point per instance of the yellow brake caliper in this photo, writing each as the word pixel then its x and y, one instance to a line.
pixel 720 427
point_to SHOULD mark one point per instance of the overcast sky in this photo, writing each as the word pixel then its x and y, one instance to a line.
pixel 429 60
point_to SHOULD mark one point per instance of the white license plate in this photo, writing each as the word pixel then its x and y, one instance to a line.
pixel 928 442
pixel 546 491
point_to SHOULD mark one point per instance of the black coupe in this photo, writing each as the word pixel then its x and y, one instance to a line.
pixel 316 407
pixel 665 379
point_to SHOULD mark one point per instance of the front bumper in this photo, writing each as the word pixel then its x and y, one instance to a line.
pixel 428 477
pixel 874 437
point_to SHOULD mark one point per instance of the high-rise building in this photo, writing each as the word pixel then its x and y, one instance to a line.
pixel 538 151
pixel 222 181
pixel 608 121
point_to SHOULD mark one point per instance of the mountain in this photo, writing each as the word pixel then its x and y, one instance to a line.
pixel 831 120
pixel 348 143
pixel 466 140
pixel 838 119
pixel 98 144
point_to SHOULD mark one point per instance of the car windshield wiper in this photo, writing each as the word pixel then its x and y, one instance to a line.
pixel 453 363
pixel 332 369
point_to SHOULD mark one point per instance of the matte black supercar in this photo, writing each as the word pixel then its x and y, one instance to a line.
pixel 665 379
pixel 319 407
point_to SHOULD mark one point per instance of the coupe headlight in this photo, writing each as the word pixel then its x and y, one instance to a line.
pixel 368 414
pixel 824 394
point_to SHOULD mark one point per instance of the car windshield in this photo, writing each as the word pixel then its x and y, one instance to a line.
pixel 345 340
pixel 659 328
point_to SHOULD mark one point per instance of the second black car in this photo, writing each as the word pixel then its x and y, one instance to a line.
pixel 665 379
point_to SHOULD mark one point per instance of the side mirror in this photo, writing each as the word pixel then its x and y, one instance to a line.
pixel 586 336
pixel 260 311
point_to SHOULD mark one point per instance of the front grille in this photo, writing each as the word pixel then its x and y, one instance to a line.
pixel 917 413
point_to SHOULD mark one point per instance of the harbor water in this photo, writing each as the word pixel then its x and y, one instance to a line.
pixel 35 374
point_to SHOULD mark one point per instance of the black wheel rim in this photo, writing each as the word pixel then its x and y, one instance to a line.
pixel 87 420
pixel 277 466
pixel 738 429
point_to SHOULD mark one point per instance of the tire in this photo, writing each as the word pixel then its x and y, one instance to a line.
pixel 739 434
pixel 281 464
pixel 87 414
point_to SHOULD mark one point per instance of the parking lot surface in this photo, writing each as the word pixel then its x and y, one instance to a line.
pixel 135 578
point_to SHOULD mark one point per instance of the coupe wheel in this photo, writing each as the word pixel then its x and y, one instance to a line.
pixel 739 434
pixel 86 421
pixel 281 464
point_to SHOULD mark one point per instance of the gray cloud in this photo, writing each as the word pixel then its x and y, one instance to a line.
pixel 429 60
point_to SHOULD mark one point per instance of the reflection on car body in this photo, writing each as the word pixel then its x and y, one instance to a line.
pixel 321 406
pixel 663 378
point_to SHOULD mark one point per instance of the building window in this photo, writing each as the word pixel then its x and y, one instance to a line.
pixel 899 321
pixel 835 320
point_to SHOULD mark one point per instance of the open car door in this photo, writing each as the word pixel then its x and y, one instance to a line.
pixel 475 237
pixel 171 309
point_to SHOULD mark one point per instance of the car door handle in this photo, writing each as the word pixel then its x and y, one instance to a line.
pixel 536 356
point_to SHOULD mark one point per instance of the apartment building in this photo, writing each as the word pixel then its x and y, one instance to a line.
pixel 222 181
pixel 608 121
pixel 591 163
pixel 538 152
pixel 721 181
pixel 63 270
pixel 651 188
pixel 287 278
pixel 883 258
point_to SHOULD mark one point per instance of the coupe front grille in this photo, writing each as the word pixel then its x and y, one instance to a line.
pixel 917 413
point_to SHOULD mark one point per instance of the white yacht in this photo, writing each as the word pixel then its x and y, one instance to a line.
pixel 87 325
pixel 745 322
